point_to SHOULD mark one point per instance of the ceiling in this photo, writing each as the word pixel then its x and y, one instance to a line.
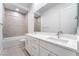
pixel 23 7
pixel 26 4
pixel 44 9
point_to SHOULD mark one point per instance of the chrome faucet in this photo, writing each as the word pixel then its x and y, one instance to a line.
pixel 59 33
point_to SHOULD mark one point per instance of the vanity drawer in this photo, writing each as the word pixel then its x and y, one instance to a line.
pixel 44 52
pixel 35 50
pixel 60 51
pixel 34 40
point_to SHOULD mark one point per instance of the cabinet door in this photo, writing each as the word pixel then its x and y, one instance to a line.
pixel 43 52
pixel 58 50
pixel 35 50
pixel 32 45
pixel 35 47
pixel 28 44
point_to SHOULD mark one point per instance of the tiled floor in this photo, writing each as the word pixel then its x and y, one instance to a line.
pixel 13 47
pixel 14 51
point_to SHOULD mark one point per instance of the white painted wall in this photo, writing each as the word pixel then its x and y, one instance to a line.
pixel 31 20
pixel 1 12
pixel 1 22
pixel 60 17
pixel 37 6
pixel 68 21
pixel 50 20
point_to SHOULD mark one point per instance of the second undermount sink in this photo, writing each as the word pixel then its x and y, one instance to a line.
pixel 61 40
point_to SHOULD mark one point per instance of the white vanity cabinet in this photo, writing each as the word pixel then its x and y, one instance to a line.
pixel 40 47
pixel 32 46
pixel 44 52
pixel 28 44
pixel 35 50
pixel 35 46
pixel 57 50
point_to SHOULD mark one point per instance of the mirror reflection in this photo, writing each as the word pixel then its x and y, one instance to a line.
pixel 57 17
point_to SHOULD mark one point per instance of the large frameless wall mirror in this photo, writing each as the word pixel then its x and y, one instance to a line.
pixel 55 17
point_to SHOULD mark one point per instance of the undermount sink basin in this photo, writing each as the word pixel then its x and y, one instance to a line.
pixel 58 40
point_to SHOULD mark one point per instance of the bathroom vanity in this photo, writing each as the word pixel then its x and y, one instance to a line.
pixel 49 45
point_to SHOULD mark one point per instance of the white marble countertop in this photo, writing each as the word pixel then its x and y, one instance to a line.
pixel 77 37
pixel 71 44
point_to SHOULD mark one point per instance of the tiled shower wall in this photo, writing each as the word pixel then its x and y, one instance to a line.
pixel 14 24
